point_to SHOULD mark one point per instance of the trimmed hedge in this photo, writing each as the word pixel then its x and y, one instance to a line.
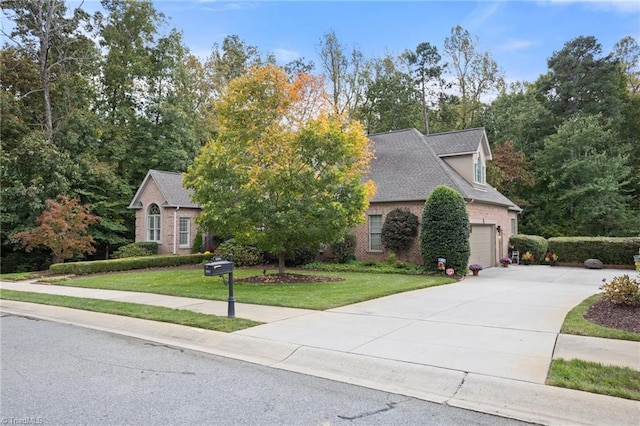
pixel 537 245
pixel 609 250
pixel 127 264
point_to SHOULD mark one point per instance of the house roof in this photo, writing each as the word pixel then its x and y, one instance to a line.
pixel 171 188
pixel 461 142
pixel 407 168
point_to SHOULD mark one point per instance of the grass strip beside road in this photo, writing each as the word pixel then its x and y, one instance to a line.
pixel 134 310
pixel 356 287
pixel 575 323
pixel 620 382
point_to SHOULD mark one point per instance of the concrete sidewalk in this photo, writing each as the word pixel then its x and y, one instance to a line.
pixel 483 344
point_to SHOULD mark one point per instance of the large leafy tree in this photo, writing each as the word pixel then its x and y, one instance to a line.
pixel 282 173
pixel 518 116
pixel 511 172
pixel 583 81
pixel 426 71
pixel 343 71
pixel 391 101
pixel 474 73
pixel 582 174
pixel 445 230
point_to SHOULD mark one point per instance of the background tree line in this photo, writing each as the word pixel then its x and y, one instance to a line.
pixel 90 103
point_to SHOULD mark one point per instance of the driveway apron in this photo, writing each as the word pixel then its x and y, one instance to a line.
pixel 502 323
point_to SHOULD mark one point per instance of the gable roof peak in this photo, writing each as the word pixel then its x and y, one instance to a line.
pixel 170 186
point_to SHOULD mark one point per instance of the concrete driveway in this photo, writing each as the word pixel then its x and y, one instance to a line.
pixel 502 323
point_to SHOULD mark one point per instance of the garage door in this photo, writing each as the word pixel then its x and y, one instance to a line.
pixel 482 242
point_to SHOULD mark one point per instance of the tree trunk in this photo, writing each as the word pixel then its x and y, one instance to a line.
pixel 281 263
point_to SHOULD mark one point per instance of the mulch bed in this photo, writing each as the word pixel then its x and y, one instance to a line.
pixel 610 315
pixel 287 279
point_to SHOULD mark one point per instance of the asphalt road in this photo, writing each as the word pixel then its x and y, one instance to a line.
pixel 55 373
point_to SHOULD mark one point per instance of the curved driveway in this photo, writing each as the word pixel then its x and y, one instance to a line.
pixel 502 323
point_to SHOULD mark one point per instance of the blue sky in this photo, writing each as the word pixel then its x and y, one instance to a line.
pixel 521 35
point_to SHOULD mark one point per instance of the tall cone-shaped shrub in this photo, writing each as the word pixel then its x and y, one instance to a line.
pixel 445 230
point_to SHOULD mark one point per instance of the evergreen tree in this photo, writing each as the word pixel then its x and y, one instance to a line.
pixel 445 230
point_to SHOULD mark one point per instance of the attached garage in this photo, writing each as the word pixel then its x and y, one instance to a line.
pixel 483 245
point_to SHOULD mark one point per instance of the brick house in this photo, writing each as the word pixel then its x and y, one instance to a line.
pixel 409 165
pixel 165 213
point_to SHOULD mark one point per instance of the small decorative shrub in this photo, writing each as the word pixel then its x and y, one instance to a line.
pixel 622 291
pixel 475 267
pixel 136 250
pixel 534 244
pixel 399 230
pixel 243 255
pixel 505 260
pixel 345 250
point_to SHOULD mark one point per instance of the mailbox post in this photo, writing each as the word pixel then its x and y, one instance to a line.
pixel 219 266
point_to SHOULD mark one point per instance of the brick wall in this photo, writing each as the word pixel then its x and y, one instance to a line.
pixel 478 214
pixel 169 222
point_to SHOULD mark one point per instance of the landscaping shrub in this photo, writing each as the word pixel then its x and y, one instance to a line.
pixel 344 250
pixel 534 244
pixel 609 250
pixel 127 264
pixel 243 255
pixel 369 266
pixel 399 229
pixel 301 256
pixel 445 230
pixel 197 243
pixel 136 250
pixel 622 291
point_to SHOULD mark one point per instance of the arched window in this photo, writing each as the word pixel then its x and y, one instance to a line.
pixel 153 223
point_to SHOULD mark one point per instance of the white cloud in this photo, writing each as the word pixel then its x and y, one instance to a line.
pixel 284 56
pixel 516 45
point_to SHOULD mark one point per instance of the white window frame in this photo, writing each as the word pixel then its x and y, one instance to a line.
pixel 184 234
pixel 479 172
pixel 375 234
pixel 154 223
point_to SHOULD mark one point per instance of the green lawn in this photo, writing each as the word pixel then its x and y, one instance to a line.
pixel 621 382
pixel 593 377
pixel 356 287
pixel 135 310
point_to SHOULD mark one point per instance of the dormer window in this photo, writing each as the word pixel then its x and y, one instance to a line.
pixel 479 172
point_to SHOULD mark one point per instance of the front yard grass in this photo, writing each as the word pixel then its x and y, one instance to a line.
pixel 135 310
pixel 621 382
pixel 356 287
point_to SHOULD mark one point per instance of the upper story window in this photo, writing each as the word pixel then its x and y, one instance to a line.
pixel 479 172
pixel 153 223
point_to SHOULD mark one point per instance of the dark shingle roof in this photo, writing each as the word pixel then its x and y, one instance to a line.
pixel 171 187
pixel 406 167
pixel 455 143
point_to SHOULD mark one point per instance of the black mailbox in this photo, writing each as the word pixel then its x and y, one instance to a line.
pixel 218 266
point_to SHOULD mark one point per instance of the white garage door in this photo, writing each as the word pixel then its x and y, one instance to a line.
pixel 482 242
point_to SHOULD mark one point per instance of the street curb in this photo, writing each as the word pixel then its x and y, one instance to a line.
pixel 502 397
